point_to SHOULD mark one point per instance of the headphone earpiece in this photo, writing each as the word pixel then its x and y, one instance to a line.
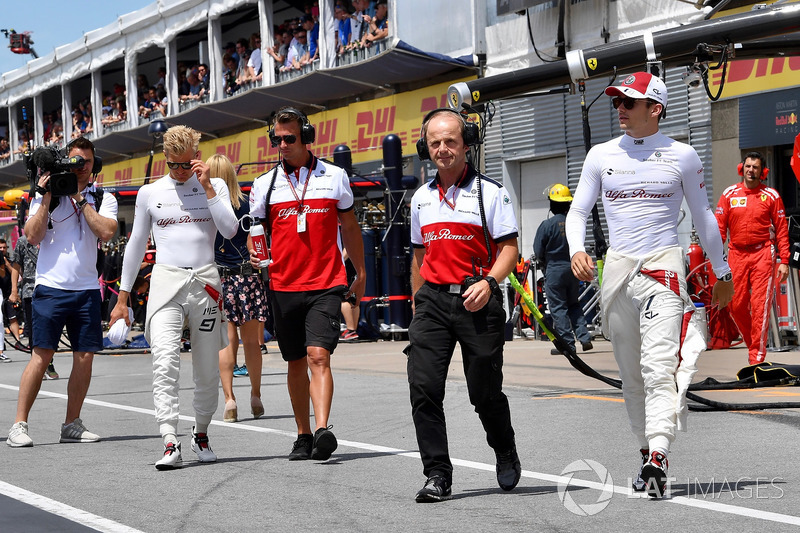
pixel 307 131
pixel 472 133
pixel 764 171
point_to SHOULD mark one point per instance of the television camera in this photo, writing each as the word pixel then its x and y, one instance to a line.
pixel 63 181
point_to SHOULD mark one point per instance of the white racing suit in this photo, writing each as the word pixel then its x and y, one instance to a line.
pixel 178 296
pixel 656 338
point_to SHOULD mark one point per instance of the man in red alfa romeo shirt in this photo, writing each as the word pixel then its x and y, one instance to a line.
pixel 457 299
pixel 754 216
pixel 303 202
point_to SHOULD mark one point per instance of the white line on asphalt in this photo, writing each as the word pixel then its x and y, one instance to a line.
pixel 63 510
pixel 680 500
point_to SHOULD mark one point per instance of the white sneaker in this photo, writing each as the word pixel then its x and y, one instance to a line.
pixel 77 432
pixel 172 457
pixel 201 448
pixel 18 436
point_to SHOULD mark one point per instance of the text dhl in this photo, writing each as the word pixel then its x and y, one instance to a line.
pixel 747 69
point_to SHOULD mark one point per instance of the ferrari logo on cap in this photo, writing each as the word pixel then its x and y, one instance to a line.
pixel 592 63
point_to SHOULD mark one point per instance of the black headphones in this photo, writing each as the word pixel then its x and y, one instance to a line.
pixel 307 131
pixel 97 163
pixel 472 132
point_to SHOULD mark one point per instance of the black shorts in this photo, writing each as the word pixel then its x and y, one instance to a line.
pixel 304 319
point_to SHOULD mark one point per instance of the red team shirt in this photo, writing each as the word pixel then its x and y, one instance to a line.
pixel 449 227
pixel 751 215
pixel 309 260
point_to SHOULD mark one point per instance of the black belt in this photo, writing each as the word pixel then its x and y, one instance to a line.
pixel 245 269
pixel 453 288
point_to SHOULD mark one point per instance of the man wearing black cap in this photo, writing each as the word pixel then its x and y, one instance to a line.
pixel 643 177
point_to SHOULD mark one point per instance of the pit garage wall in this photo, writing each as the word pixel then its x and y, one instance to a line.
pixel 534 142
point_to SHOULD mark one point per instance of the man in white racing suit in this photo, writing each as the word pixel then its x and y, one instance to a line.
pixel 642 178
pixel 183 210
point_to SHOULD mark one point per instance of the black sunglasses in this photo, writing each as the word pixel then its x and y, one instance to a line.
pixel 628 102
pixel 275 140
pixel 174 165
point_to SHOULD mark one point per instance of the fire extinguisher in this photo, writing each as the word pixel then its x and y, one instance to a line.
pixel 700 273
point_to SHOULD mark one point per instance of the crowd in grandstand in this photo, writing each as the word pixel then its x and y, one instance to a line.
pixel 358 24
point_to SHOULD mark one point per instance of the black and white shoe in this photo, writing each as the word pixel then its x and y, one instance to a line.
pixel 201 447
pixel 437 489
pixel 638 483
pixel 172 457
pixel 654 474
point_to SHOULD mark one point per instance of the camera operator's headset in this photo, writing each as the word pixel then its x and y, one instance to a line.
pixel 754 155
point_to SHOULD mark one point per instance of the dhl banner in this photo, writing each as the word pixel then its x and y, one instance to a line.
pixel 750 76
pixel 361 126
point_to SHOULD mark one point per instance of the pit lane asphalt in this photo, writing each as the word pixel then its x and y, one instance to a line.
pixel 732 471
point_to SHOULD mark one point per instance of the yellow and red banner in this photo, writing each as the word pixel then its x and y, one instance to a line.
pixel 751 76
pixel 361 126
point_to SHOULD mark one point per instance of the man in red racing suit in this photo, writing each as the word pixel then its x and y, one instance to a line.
pixel 754 216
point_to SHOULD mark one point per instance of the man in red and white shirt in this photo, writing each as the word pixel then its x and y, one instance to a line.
pixel 754 216
pixel 457 299
pixel 303 202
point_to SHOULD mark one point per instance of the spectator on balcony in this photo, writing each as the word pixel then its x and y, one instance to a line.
pixel 202 73
pixel 86 107
pixel 254 63
pixel 230 48
pixel 341 14
pixel 244 54
pixel 162 101
pixel 57 135
pixel 162 77
pixel 281 48
pixel 196 88
pixel 80 126
pixel 119 112
pixel 5 149
pixel 150 103
pixel 378 25
pixel 183 84
pixel 24 141
pixel 358 25
pixel 229 74
pixel 297 51
pixel 308 23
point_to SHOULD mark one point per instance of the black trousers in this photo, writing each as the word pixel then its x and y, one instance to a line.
pixel 440 321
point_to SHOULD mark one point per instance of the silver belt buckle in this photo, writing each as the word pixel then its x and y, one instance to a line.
pixel 454 289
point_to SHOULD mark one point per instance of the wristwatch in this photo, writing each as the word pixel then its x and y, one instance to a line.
pixel 82 203
pixel 727 277
pixel 492 283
